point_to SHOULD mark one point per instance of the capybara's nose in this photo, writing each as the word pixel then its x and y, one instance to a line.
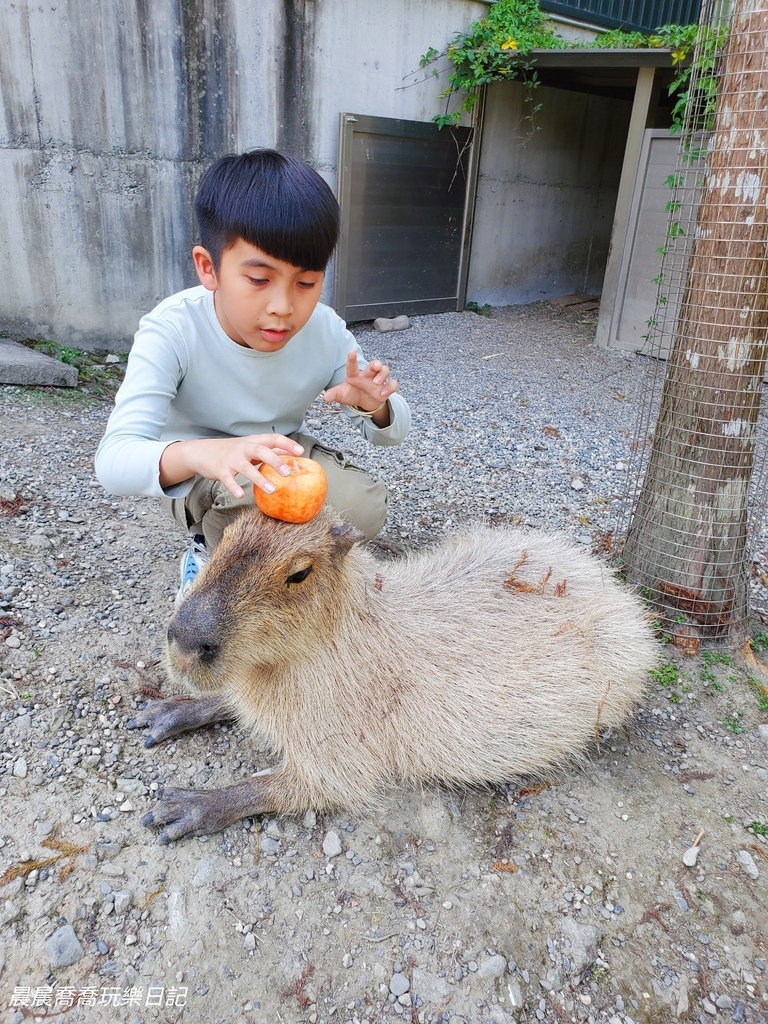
pixel 194 630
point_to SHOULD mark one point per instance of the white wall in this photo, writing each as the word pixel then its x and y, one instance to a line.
pixel 110 111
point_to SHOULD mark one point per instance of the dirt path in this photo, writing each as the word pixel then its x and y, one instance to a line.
pixel 570 902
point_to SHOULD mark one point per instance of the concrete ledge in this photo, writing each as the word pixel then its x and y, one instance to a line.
pixel 21 365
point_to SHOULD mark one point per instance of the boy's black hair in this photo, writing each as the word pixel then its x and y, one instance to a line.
pixel 272 201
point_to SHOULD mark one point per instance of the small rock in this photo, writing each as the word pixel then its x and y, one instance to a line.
pixel 269 846
pixel 111 358
pixel 682 1000
pixel 13 642
pixel 681 901
pixel 40 541
pixel 761 729
pixel 710 1008
pixel 131 787
pixel 273 829
pixel 691 855
pixel 332 845
pixel 583 939
pixel 724 1003
pixel 9 913
pixel 123 901
pixel 20 768
pixel 399 984
pixel 250 941
pixel 577 484
pixel 64 947
pixel 515 994
pixel 746 862
pixel 366 885
pixel 386 324
pixel 114 870
pixel 492 967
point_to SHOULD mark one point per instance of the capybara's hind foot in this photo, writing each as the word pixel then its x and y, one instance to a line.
pixel 175 715
pixel 198 812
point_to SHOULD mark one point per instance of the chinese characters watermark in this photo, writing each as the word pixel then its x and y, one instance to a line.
pixel 109 995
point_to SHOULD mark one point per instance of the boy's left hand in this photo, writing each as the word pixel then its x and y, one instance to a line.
pixel 367 388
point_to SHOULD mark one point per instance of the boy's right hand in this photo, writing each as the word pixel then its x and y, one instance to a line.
pixel 223 458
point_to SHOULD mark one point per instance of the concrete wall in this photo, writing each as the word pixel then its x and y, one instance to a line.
pixel 545 203
pixel 109 110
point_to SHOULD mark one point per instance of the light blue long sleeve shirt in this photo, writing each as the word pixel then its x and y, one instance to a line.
pixel 186 379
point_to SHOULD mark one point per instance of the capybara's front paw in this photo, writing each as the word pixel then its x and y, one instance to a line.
pixel 188 812
pixel 198 812
pixel 175 715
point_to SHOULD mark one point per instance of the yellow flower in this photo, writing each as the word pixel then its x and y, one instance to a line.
pixel 509 44
pixel 678 55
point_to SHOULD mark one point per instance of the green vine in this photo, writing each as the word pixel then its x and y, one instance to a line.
pixel 696 81
pixel 491 50
pixel 498 48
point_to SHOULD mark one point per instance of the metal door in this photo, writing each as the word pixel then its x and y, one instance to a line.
pixel 637 289
pixel 403 188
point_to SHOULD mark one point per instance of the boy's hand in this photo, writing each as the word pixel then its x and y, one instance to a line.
pixel 367 388
pixel 223 458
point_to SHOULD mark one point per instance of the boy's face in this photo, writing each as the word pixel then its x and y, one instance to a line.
pixel 261 302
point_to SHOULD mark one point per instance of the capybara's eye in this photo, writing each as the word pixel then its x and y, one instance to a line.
pixel 300 576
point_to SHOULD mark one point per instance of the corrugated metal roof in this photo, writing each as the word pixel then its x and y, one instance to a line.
pixel 630 15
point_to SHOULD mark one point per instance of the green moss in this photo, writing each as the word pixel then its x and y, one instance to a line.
pixel 96 379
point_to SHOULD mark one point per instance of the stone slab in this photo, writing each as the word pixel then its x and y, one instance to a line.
pixel 22 365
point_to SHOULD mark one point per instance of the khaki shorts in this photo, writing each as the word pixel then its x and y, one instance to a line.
pixel 355 496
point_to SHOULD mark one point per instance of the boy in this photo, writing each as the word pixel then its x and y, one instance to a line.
pixel 220 376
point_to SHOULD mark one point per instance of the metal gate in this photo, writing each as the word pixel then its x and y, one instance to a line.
pixel 403 191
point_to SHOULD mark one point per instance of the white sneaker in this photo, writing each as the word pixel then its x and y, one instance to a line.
pixel 192 561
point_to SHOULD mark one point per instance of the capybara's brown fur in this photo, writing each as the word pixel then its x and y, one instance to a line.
pixel 502 652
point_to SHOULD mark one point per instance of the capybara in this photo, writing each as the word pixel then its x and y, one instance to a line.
pixel 501 652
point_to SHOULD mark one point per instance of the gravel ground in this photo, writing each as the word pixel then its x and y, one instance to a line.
pixel 632 890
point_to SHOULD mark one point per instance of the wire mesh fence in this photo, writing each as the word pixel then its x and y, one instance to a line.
pixel 694 520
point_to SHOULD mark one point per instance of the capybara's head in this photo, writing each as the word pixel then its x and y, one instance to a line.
pixel 269 589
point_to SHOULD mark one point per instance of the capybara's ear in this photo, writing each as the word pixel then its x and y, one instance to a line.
pixel 345 536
